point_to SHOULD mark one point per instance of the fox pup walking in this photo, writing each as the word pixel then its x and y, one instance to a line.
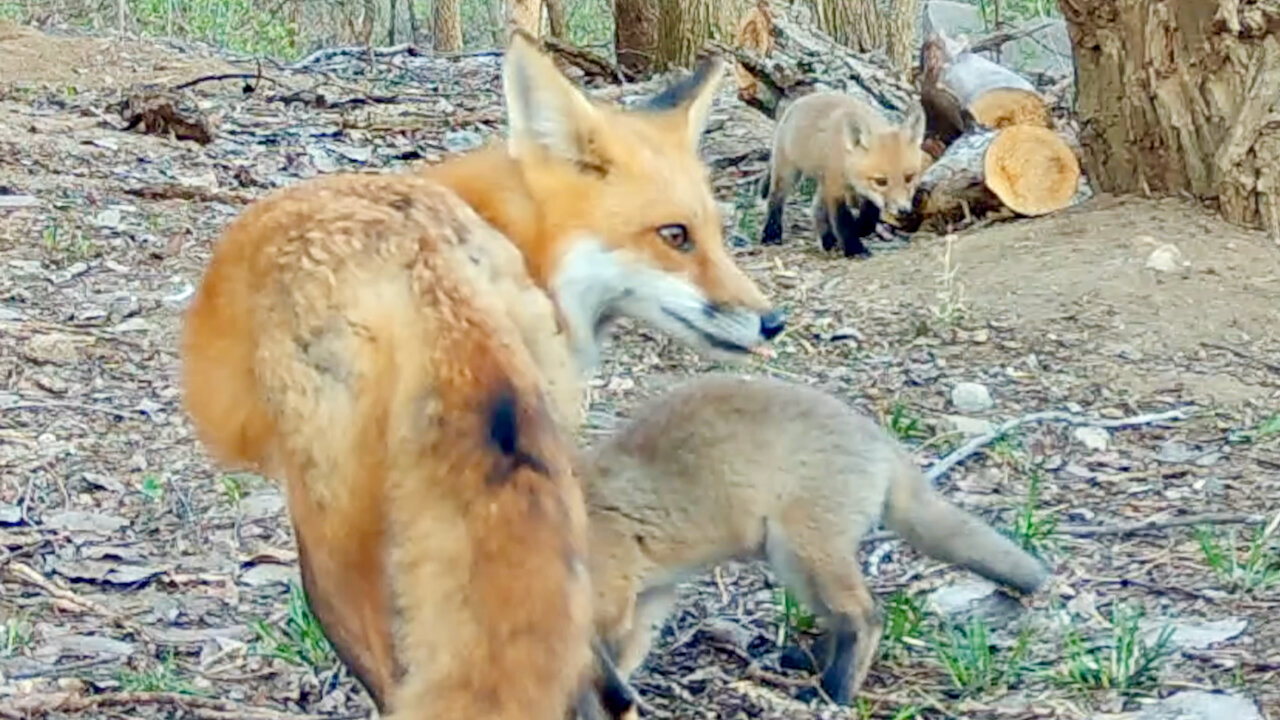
pixel 844 143
pixel 722 468
pixel 376 344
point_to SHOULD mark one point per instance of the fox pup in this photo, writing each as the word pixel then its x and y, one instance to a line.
pixel 720 468
pixel 389 347
pixel 845 144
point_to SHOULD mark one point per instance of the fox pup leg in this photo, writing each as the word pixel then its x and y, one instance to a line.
pixel 852 229
pixel 653 605
pixel 777 188
pixel 822 224
pixel 609 697
pixel 824 573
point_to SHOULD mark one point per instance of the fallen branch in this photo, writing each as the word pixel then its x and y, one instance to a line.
pixel 27 574
pixel 1000 37
pixel 25 706
pixel 356 51
pixel 1244 354
pixel 969 448
pixel 591 64
pixel 1126 528
pixel 1145 525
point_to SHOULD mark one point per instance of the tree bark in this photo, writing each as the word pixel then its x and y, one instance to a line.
pixel 527 15
pixel 1178 97
pixel 557 20
pixel 636 35
pixel 446 26
pixel 795 59
pixel 865 26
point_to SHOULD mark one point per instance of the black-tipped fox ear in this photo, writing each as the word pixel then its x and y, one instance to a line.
pixel 544 110
pixel 692 96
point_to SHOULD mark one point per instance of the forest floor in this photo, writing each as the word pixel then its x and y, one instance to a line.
pixel 139 580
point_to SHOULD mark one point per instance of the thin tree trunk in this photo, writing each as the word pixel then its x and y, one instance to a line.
pixel 413 22
pixel 446 26
pixel 527 15
pixel 1177 97
pixel 557 20
pixel 856 24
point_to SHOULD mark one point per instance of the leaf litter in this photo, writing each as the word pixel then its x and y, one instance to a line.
pixel 135 571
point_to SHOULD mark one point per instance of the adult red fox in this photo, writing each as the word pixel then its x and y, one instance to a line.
pixel 721 468
pixel 845 144
pixel 372 341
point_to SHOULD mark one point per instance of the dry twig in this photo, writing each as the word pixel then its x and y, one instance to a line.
pixel 965 451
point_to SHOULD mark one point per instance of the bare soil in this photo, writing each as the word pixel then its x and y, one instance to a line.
pixel 131 563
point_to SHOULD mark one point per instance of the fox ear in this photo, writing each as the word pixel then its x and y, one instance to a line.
pixel 691 97
pixel 544 109
pixel 915 124
pixel 854 137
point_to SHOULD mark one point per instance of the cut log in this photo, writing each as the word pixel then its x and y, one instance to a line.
pixel 798 59
pixel 959 88
pixel 1023 169
pixel 1007 106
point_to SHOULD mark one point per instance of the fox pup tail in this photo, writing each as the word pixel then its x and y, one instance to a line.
pixel 946 532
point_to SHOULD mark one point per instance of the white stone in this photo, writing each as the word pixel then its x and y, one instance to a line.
pixel 969 397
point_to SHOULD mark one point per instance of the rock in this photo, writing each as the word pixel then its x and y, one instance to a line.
pixel 109 218
pixel 969 426
pixel 267 574
pixel 1176 451
pixel 970 397
pixel 51 349
pixel 80 521
pixel 1094 438
pixel 462 140
pixel 975 598
pixel 265 504
pixel 1166 259
pixel 17 201
pixel 10 514
pixel 1193 635
pixel 1193 705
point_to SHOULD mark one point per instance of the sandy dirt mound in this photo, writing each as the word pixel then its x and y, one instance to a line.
pixel 31 57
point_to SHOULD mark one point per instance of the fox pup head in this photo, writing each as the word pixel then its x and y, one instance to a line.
pixel 884 167
pixel 626 210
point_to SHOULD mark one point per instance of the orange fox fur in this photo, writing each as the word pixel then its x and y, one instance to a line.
pixel 374 343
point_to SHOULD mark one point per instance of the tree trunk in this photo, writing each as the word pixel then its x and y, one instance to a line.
pixel 446 26
pixel 781 57
pixel 636 35
pixel 497 20
pixel 527 15
pixel 684 27
pixel 862 26
pixel 557 20
pixel 1177 97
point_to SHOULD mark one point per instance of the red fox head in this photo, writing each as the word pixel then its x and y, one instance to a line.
pixel 884 167
pixel 627 217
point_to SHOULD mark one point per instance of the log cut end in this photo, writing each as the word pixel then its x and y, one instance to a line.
pixel 1031 169
pixel 754 33
pixel 1005 107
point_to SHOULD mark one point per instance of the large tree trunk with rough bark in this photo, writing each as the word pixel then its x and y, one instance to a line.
pixel 636 34
pixel 658 35
pixel 526 15
pixel 863 26
pixel 1176 96
pixel 446 26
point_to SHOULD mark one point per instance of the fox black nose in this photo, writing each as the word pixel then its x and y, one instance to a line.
pixel 772 323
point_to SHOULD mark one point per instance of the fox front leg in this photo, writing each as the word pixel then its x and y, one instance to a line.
pixel 851 230
pixel 822 224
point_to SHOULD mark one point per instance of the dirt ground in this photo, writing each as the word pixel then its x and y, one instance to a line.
pixel 139 580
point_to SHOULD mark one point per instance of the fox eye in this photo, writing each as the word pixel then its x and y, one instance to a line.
pixel 909 178
pixel 881 182
pixel 677 236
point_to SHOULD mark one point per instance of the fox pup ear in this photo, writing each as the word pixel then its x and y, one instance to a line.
pixel 914 124
pixel 854 137
pixel 544 110
pixel 691 97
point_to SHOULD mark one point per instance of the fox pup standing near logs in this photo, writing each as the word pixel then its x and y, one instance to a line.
pixel 722 468
pixel 375 343
pixel 845 144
